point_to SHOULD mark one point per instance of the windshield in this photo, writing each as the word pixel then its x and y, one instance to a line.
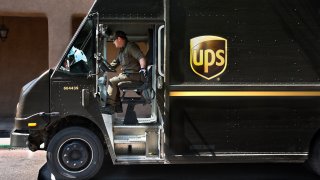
pixel 80 56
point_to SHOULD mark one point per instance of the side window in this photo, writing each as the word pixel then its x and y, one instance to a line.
pixel 80 56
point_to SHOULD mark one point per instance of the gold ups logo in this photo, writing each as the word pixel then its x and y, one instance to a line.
pixel 208 56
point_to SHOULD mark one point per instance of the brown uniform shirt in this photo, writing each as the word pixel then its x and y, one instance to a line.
pixel 128 58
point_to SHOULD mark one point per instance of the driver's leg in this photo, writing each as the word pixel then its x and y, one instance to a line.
pixel 113 92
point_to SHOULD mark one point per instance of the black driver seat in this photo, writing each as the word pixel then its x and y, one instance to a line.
pixel 141 88
pixel 130 85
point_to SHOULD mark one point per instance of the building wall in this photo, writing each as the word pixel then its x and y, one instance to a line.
pixel 39 32
pixel 59 14
pixel 22 58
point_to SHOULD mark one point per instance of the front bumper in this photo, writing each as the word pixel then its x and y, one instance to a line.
pixel 19 139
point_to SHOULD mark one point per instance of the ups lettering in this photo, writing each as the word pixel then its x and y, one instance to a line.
pixel 208 58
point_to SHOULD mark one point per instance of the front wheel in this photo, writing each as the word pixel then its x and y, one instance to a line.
pixel 75 153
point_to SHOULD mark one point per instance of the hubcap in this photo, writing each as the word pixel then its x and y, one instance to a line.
pixel 75 155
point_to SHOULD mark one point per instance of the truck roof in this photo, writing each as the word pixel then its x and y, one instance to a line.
pixel 128 10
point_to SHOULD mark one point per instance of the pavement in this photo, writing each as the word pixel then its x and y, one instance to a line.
pixel 6 125
pixel 21 164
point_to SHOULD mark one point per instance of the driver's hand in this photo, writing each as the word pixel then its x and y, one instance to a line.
pixel 143 72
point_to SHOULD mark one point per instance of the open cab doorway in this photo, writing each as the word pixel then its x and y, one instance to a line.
pixel 134 129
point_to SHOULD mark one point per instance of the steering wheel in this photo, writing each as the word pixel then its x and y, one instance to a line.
pixel 105 66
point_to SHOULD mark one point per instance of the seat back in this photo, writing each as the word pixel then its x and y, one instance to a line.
pixel 146 89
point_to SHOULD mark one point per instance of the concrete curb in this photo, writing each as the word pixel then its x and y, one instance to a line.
pixel 6 126
pixel 5 143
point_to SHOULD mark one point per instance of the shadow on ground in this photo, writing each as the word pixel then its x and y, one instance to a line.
pixel 203 171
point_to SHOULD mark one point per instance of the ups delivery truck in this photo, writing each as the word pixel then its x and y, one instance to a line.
pixel 227 81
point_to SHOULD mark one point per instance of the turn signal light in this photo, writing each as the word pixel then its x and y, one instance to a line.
pixel 32 124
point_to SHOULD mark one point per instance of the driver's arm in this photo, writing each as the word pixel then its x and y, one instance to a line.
pixel 143 63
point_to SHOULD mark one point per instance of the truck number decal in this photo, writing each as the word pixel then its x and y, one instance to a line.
pixel 71 88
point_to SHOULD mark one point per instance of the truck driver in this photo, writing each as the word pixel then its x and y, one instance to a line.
pixel 133 64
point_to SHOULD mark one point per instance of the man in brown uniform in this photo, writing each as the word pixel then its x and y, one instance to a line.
pixel 133 64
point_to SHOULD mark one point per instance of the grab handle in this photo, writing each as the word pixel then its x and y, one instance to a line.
pixel 160 71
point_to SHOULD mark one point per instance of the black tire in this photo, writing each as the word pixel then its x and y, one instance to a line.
pixel 75 153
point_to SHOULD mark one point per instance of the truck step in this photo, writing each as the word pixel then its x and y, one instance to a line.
pixel 147 120
pixel 124 159
pixel 132 145
pixel 129 139
pixel 133 130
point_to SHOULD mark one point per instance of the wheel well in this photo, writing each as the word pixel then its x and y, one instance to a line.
pixel 74 121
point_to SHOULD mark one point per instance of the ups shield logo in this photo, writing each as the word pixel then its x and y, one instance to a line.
pixel 208 56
